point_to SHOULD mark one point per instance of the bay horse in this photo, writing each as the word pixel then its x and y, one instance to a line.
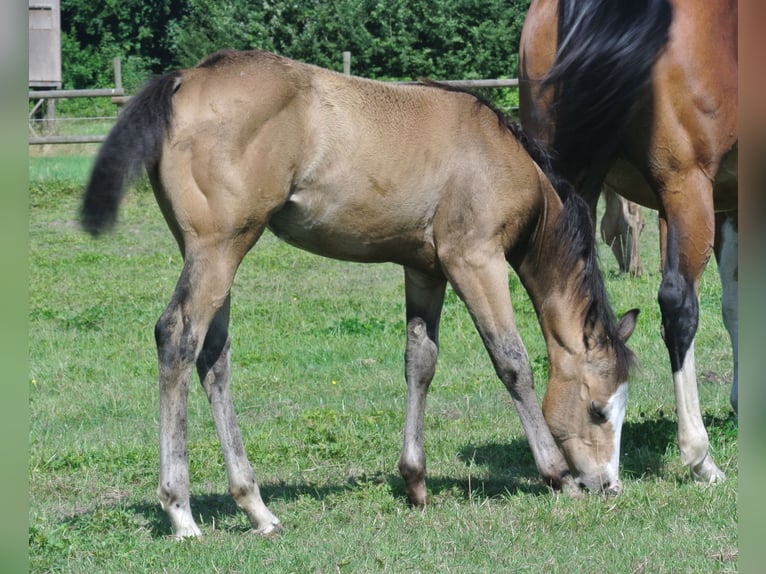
pixel 647 92
pixel 426 177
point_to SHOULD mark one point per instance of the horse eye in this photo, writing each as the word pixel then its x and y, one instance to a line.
pixel 597 412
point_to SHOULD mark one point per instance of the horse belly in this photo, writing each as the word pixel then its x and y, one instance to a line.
pixel 626 180
pixel 725 186
pixel 354 229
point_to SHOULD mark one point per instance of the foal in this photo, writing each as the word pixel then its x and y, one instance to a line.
pixel 354 169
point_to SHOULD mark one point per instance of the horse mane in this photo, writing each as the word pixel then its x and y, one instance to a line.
pixel 576 239
pixel 603 63
pixel 574 234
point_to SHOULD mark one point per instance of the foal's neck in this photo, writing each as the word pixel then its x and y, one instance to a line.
pixel 551 286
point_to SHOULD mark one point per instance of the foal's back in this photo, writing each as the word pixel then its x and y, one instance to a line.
pixel 342 166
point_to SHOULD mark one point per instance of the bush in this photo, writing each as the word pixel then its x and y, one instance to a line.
pixel 395 39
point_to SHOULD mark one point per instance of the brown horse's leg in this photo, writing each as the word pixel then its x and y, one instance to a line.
pixel 726 248
pixel 424 297
pixel 213 366
pixel 482 284
pixel 689 243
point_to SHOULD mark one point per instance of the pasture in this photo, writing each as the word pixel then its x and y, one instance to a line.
pixel 318 384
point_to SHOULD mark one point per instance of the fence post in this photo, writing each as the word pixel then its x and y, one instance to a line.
pixel 347 63
pixel 117 63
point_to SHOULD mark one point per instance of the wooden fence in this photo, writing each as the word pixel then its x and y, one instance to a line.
pixel 118 97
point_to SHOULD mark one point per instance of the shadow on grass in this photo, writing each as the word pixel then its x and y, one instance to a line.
pixel 501 469
pixel 214 508
pixel 646 443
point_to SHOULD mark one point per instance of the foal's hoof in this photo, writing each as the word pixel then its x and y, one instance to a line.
pixel 559 481
pixel 417 501
pixel 187 534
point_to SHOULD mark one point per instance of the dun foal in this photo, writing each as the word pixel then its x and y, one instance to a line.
pixel 426 177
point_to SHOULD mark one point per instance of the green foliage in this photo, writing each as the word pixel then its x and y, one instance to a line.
pixel 93 33
pixel 396 39
pixel 401 39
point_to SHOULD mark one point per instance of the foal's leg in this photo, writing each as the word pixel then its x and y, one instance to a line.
pixel 424 297
pixel 483 286
pixel 213 366
pixel 201 292
pixel 726 247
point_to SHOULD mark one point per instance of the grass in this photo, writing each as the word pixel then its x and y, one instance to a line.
pixel 318 385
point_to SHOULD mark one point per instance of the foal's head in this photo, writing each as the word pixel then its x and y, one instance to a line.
pixel 585 403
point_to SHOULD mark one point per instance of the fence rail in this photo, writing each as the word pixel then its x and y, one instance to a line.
pixel 42 140
pixel 61 94
pixel 119 97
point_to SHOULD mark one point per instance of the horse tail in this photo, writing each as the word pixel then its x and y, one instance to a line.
pixel 603 62
pixel 134 142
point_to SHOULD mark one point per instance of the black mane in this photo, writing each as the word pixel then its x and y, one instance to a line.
pixel 576 239
pixel 603 64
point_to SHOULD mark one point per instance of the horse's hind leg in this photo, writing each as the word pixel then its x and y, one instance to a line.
pixel 201 295
pixel 425 297
pixel 213 366
pixel 726 244
pixel 179 340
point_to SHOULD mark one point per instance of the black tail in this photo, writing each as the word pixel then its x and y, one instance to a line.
pixel 134 142
pixel 604 60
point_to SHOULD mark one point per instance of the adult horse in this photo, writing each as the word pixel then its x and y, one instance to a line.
pixel 647 91
pixel 422 176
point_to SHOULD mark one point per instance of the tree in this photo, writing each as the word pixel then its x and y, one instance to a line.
pixel 93 33
pixel 403 39
pixel 388 39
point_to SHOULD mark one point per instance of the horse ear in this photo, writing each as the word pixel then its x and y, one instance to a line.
pixel 593 335
pixel 626 324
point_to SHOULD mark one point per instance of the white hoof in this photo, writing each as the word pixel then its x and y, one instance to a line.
pixel 188 532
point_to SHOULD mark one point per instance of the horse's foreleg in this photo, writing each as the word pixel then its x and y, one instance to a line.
pixel 687 251
pixel 424 297
pixel 621 227
pixel 726 249
pixel 213 366
pixel 484 289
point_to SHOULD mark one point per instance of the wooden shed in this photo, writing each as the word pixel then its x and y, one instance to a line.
pixel 44 44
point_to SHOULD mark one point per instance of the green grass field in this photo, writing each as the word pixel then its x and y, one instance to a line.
pixel 318 384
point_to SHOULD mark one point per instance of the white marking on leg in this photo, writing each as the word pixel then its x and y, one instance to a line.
pixel 182 521
pixel 692 437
